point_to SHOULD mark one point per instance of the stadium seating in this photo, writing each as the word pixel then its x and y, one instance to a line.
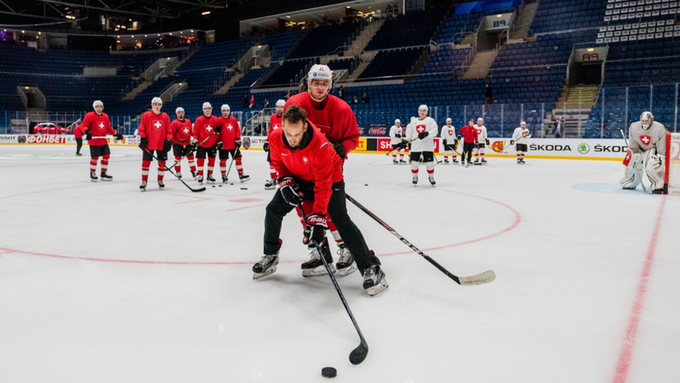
pixel 412 29
pixel 391 63
pixel 563 15
pixel 324 40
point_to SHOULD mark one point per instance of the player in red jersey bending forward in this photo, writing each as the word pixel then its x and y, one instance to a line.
pixel 310 174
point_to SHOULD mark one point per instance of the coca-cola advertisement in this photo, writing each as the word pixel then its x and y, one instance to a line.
pixel 377 131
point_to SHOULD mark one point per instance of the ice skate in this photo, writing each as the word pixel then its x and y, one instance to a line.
pixel 446 161
pixel 143 186
pixel 415 179
pixel 395 162
pixel 194 175
pixel 161 185
pixel 200 180
pixel 210 179
pixel 477 162
pixel 244 178
pixel 270 185
pixel 374 280
pixel 225 179
pixel 315 267
pixel 105 177
pixel 345 263
pixel 179 175
pixel 402 162
pixel 483 161
pixel 467 164
pixel 93 176
pixel 266 266
pixel 431 179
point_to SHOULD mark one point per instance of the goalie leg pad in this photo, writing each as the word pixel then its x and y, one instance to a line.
pixel 633 175
pixel 655 168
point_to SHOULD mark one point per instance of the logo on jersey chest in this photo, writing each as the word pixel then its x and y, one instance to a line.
pixel 157 125
pixel 208 128
pixel 186 131
pixel 421 128
pixel 645 139
pixel 230 127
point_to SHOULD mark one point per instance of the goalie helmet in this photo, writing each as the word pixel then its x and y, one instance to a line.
pixel 646 119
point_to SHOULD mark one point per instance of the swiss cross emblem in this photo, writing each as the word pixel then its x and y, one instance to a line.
pixel 629 156
pixel 157 125
pixel 420 128
pixel 230 127
pixel 101 125
pixel 646 139
pixel 450 132
pixel 186 130
pixel 208 128
pixel 276 127
pixel 305 160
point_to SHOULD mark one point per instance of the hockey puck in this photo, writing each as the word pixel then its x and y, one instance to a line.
pixel 220 185
pixel 213 185
pixel 244 188
pixel 365 184
pixel 329 372
pixel 231 183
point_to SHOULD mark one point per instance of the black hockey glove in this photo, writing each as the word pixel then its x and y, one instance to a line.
pixel 266 147
pixel 237 145
pixel 512 142
pixel 459 137
pixel 167 145
pixel 218 129
pixel 88 134
pixel 194 145
pixel 118 136
pixel 397 135
pixel 487 141
pixel 340 150
pixel 315 229
pixel 143 142
pixel 423 135
pixel 290 191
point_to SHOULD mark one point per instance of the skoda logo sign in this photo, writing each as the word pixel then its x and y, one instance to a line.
pixel 583 148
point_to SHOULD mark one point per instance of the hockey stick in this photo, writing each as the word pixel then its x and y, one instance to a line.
pixel 404 142
pixel 201 189
pixel 237 151
pixel 626 141
pixel 359 353
pixel 476 279
pixel 193 149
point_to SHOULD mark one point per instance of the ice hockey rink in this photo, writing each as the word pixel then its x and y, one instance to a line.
pixel 100 282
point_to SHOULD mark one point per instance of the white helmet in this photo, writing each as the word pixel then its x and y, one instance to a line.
pixel 225 107
pixel 97 103
pixel 480 119
pixel 449 120
pixel 423 107
pixel 179 109
pixel 207 105
pixel 281 103
pixel 646 119
pixel 156 100
pixel 320 72
pixel 523 123
pixel 397 121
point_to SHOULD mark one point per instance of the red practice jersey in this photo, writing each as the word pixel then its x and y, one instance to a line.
pixel 155 128
pixel 275 122
pixel 204 129
pixel 317 162
pixel 99 125
pixel 333 117
pixel 78 132
pixel 181 131
pixel 469 133
pixel 230 132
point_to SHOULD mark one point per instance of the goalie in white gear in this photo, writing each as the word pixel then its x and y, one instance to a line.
pixel 482 141
pixel 450 142
pixel 520 138
pixel 397 134
pixel 423 130
pixel 646 151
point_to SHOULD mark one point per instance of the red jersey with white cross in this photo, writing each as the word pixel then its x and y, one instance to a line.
pixel 204 130
pixel 275 122
pixel 155 128
pixel 100 125
pixel 230 132
pixel 181 131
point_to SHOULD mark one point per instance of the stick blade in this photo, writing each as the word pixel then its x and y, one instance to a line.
pixel 198 190
pixel 478 279
pixel 358 354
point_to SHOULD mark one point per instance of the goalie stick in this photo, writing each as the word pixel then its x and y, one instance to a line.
pixel 361 351
pixel 201 189
pixel 477 279
pixel 642 183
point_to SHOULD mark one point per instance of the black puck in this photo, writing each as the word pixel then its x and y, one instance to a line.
pixel 244 188
pixel 329 372
pixel 213 185
pixel 365 184
pixel 220 185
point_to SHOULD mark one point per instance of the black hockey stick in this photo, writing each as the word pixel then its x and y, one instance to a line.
pixel 201 189
pixel 402 145
pixel 237 151
pixel 626 141
pixel 477 279
pixel 359 353
pixel 193 149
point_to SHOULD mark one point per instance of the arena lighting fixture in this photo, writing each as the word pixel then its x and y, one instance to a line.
pixel 146 35
pixel 590 49
pixel 118 41
pixel 117 37
pixel 205 13
pixel 26 88
pixel 192 31
pixel 347 7
pixel 132 37
pixel 23 31
pixel 288 16
pixel 170 33
pixel 499 15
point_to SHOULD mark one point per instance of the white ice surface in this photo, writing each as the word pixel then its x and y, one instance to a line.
pixel 102 283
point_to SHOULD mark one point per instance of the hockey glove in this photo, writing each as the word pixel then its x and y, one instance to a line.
pixel 237 145
pixel 167 145
pixel 315 229
pixel 340 150
pixel 88 134
pixel 512 142
pixel 290 191
pixel 397 135
pixel 193 144
pixel 218 129
pixel 265 147
pixel 119 137
pixel 143 142
pixel 487 141
pixel 459 137
pixel 423 135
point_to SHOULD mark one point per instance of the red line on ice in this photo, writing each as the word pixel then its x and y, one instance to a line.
pixel 626 355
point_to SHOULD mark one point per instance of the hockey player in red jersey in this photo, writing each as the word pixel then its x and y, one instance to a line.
pixel 336 120
pixel 229 144
pixel 206 132
pixel 180 128
pixel 310 174
pixel 96 125
pixel 275 122
pixel 78 135
pixel 155 134
pixel 469 141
